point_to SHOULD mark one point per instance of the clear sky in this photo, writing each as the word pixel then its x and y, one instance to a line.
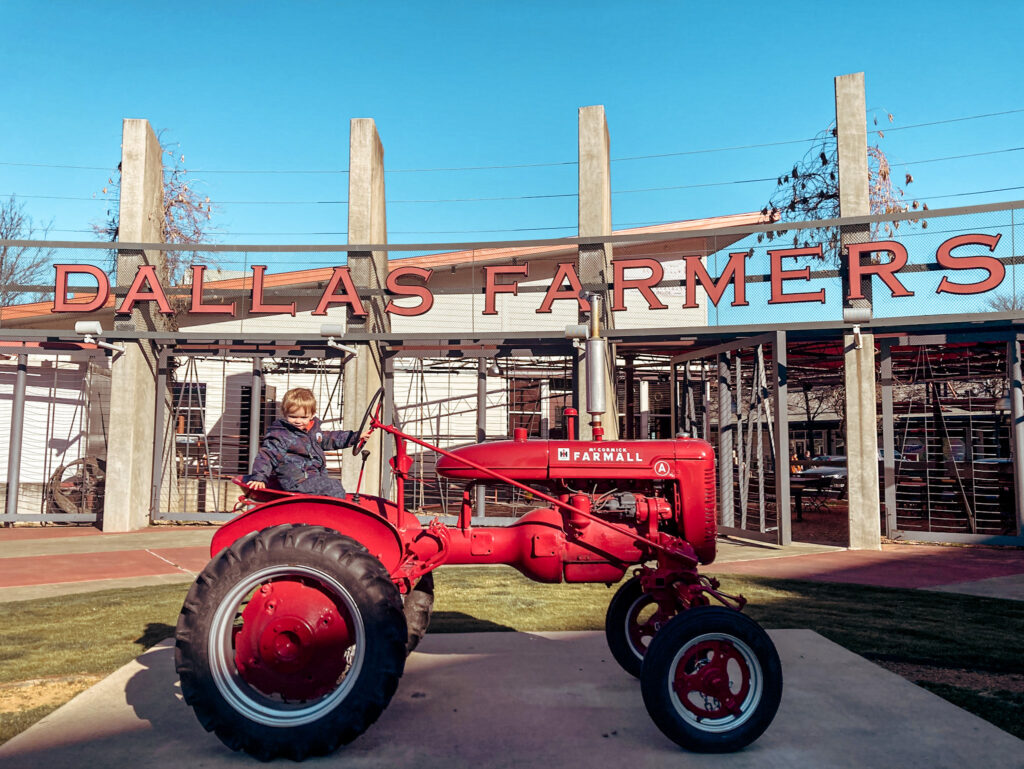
pixel 269 89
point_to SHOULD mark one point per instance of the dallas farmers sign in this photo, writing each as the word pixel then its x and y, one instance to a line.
pixel 413 282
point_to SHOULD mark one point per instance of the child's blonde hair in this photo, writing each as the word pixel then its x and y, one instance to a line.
pixel 298 399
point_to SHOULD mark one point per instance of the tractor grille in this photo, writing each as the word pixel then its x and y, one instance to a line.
pixel 710 503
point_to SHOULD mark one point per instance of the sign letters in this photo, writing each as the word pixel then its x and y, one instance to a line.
pixel 883 259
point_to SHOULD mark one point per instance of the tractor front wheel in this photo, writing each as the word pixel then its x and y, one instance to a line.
pixel 712 680
pixel 419 605
pixel 291 642
pixel 632 621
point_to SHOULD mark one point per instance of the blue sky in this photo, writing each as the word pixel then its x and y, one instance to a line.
pixel 272 87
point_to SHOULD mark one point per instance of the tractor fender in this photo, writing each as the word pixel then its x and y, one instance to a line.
pixel 376 534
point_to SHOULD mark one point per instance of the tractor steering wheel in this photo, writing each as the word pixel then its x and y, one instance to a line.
pixel 372 413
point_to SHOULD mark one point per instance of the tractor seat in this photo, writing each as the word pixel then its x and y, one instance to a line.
pixel 267 494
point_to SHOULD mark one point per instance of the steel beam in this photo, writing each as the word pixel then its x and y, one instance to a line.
pixel 780 399
pixel 14 444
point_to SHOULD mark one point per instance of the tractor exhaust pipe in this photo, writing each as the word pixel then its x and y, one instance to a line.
pixel 596 363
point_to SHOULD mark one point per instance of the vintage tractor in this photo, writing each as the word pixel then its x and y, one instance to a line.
pixel 292 640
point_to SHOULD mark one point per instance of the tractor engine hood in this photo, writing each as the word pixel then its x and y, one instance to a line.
pixel 537 460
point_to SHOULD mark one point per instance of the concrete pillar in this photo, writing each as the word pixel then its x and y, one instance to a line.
pixel 367 223
pixel 859 351
pixel 594 261
pixel 133 374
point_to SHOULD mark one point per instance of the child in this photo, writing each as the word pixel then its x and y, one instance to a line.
pixel 293 449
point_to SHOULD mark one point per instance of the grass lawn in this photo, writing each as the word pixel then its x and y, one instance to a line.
pixel 963 648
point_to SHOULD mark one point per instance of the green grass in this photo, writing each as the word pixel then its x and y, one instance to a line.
pixel 95 633
pixel 92 633
pixel 15 723
pixel 1003 708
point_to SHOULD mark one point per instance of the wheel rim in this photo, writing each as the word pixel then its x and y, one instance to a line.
pixel 293 652
pixel 715 682
pixel 641 625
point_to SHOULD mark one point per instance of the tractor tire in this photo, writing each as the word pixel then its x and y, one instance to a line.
pixel 712 680
pixel 291 642
pixel 419 605
pixel 632 620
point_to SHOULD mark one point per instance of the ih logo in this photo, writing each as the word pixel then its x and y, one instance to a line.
pixel 563 455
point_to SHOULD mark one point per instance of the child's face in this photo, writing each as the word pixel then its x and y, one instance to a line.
pixel 299 417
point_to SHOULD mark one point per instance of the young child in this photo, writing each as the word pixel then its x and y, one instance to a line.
pixel 293 449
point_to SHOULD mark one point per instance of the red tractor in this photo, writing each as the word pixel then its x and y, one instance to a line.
pixel 292 640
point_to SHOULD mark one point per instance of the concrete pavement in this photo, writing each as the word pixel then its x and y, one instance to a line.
pixel 497 700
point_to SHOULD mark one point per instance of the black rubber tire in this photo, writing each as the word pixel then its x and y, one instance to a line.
pixel 750 650
pixel 269 727
pixel 625 605
pixel 419 605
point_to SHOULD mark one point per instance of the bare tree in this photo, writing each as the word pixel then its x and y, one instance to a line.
pixel 810 191
pixel 21 266
pixel 1005 302
pixel 186 213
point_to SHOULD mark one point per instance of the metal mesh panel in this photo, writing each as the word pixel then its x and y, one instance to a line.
pixel 954 470
pixel 63 441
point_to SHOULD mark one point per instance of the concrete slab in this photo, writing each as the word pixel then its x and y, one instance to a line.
pixel 57 589
pixel 1011 587
pixel 496 700
pixel 15 544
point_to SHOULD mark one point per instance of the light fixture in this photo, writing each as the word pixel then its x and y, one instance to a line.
pixel 90 329
pixel 493 369
pixel 331 330
pixel 856 316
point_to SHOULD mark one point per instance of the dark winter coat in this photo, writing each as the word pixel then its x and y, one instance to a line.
pixel 296 457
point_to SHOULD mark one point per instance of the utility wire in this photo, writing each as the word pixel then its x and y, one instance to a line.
pixel 950 120
pixel 527 165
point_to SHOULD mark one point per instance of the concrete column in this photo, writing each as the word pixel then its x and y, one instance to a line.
pixel 594 261
pixel 859 356
pixel 367 223
pixel 133 374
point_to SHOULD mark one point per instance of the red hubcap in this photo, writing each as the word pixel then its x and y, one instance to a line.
pixel 642 633
pixel 293 639
pixel 704 683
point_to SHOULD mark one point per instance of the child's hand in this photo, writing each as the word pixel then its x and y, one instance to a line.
pixel 366 435
pixel 257 485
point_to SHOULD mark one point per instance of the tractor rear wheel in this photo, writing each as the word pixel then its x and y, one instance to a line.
pixel 631 623
pixel 419 605
pixel 712 680
pixel 291 642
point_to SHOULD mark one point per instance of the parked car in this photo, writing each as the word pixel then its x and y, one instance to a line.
pixel 834 465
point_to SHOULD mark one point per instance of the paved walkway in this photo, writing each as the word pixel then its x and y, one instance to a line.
pixel 56 560
pixel 503 700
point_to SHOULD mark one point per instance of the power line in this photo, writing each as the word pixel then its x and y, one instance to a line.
pixel 537 196
pixel 959 157
pixel 950 120
pixel 964 194
pixel 732 148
